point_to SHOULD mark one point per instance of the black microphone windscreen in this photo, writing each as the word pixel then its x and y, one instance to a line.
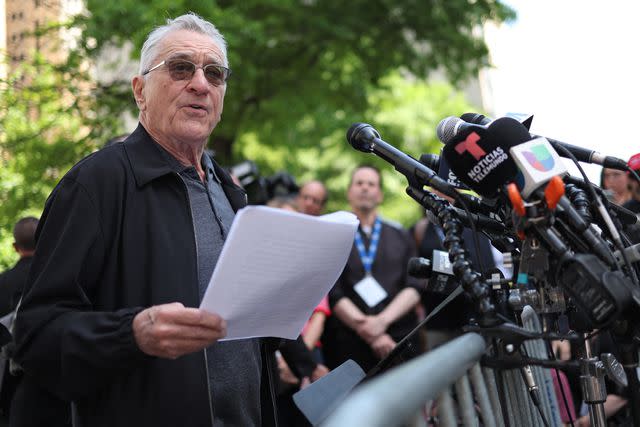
pixel 432 161
pixel 475 118
pixel 419 267
pixel 445 172
pixel 360 135
pixel 480 156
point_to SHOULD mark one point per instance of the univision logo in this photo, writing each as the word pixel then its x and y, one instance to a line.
pixel 540 158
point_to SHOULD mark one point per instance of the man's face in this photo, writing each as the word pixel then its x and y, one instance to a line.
pixel 364 193
pixel 183 111
pixel 311 198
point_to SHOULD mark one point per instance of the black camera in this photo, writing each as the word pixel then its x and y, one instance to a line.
pixel 262 189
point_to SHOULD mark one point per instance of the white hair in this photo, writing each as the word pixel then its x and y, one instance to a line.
pixel 190 22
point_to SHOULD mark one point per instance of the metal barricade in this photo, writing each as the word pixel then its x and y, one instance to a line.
pixel 395 397
pixel 465 394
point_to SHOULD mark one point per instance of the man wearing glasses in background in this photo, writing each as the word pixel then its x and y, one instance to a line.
pixel 312 198
pixel 126 246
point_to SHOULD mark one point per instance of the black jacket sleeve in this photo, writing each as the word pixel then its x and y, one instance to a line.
pixel 61 338
pixel 298 357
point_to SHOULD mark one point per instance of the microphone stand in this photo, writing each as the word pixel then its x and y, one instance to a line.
pixel 624 338
pixel 478 290
pixel 594 392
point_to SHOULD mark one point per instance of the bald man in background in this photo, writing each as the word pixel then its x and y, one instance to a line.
pixel 312 198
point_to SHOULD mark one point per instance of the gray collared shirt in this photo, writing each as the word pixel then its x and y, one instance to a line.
pixel 234 367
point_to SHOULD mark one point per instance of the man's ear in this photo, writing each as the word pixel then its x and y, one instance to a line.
pixel 137 84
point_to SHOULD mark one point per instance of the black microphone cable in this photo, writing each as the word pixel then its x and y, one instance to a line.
pixel 613 232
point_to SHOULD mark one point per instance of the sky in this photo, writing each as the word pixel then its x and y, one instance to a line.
pixel 574 65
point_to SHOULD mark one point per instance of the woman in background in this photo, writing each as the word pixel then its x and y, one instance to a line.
pixel 617 185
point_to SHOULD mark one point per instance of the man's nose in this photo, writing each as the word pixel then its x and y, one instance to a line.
pixel 198 81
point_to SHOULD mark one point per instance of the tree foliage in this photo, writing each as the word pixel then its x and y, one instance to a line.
pixel 48 121
pixel 293 57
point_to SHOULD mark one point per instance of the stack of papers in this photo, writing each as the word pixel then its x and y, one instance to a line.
pixel 274 269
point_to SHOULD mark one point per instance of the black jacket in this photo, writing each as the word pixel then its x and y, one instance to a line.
pixel 117 236
pixel 11 284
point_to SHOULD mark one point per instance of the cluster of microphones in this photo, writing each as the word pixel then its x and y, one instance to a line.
pixel 525 191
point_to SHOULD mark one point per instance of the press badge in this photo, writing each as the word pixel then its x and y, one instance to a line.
pixel 370 291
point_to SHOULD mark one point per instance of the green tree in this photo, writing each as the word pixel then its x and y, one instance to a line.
pixel 48 121
pixel 404 111
pixel 291 58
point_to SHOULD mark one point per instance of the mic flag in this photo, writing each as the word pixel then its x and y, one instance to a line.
pixel 445 172
pixel 480 157
pixel 538 162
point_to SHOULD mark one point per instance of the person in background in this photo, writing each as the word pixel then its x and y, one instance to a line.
pixel 312 198
pixel 13 280
pixel 633 204
pixel 373 300
pixel 12 284
pixel 617 184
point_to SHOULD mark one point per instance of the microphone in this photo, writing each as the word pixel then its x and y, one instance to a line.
pixel 475 118
pixel 479 220
pixel 365 138
pixel 451 126
pixel 632 253
pixel 419 267
pixel 479 156
pixel 581 154
pixel 439 163
pixel 536 162
pixel 432 161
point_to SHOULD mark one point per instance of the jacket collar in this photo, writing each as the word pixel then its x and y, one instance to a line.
pixel 145 158
pixel 148 163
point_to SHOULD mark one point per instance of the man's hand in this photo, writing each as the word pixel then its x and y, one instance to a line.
pixel 285 373
pixel 319 372
pixel 371 327
pixel 172 330
pixel 383 345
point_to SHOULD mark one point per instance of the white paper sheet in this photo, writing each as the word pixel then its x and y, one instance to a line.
pixel 274 269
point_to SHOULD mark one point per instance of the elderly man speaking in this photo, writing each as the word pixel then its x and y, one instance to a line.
pixel 126 246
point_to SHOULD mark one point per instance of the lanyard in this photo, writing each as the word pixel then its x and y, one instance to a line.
pixel 367 257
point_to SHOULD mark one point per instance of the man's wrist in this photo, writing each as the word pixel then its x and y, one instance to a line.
pixel 384 319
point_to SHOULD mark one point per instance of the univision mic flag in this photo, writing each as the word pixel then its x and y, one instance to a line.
pixel 538 163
